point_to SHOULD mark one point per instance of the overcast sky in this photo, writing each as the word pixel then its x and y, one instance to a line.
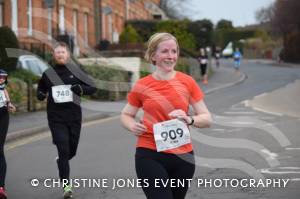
pixel 240 12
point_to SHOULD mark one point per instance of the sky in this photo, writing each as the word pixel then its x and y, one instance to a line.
pixel 240 12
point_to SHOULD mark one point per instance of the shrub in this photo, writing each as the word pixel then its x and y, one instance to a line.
pixel 182 66
pixel 180 30
pixel 145 69
pixel 25 76
pixel 129 35
pixel 110 81
pixel 8 39
pixel 103 45
pixel 145 28
pixel 17 90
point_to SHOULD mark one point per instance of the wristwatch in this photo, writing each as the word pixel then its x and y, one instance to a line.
pixel 192 121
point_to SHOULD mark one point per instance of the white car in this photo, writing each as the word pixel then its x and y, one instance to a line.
pixel 228 50
pixel 32 63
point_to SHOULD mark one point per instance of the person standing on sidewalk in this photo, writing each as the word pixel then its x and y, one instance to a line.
pixel 5 107
pixel 164 150
pixel 203 65
pixel 63 84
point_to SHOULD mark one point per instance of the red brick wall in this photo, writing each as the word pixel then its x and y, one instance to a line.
pixel 136 11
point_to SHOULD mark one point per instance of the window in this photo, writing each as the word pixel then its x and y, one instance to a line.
pixel 61 20
pixel 14 16
pixel 75 18
pixel 29 17
pixel 85 20
pixel 49 23
pixel 1 14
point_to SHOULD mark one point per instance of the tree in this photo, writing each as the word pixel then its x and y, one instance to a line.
pixel 265 14
pixel 223 29
pixel 224 24
pixel 175 9
pixel 286 20
pixel 8 39
pixel 286 16
pixel 202 31
pixel 180 30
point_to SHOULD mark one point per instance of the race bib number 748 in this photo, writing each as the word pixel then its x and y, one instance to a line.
pixel 62 94
pixel 171 134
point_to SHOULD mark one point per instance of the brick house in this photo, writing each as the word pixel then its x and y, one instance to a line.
pixel 115 13
pixel 37 23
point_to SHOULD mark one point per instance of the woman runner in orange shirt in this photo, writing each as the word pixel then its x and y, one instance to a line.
pixel 164 150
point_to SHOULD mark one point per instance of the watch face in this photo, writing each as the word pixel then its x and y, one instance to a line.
pixel 192 121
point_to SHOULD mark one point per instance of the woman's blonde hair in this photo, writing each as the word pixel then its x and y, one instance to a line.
pixel 154 41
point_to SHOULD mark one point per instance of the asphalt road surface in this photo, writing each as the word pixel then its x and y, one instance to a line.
pixel 245 154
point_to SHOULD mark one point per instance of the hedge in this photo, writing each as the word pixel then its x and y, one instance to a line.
pixel 8 39
pixel 112 82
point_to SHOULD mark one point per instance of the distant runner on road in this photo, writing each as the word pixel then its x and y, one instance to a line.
pixel 237 56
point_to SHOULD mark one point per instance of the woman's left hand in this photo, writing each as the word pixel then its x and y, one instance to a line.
pixel 181 115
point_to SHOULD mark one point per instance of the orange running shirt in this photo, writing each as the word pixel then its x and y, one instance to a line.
pixel 158 98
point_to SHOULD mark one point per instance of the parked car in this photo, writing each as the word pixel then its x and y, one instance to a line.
pixel 228 50
pixel 32 63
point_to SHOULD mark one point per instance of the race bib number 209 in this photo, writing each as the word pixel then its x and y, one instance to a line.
pixel 171 134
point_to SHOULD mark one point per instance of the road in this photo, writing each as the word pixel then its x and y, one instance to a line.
pixel 243 143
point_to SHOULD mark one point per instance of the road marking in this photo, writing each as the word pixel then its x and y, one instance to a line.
pixel 261 95
pixel 27 140
pixel 289 149
pixel 100 121
pixel 295 179
pixel 247 104
pixel 47 134
pixel 269 153
pixel 268 112
pixel 286 170
pixel 242 113
pixel 218 130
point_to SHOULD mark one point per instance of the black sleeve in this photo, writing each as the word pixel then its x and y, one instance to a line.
pixel 42 88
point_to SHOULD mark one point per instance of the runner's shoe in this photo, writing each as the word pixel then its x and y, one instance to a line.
pixel 68 193
pixel 205 81
pixel 2 193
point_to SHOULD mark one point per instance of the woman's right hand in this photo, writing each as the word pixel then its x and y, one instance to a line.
pixel 11 107
pixel 137 128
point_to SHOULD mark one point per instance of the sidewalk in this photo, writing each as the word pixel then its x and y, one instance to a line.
pixel 26 124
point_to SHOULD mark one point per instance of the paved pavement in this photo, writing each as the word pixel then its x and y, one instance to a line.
pixel 25 124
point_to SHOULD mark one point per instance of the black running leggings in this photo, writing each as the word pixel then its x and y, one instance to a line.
pixel 151 165
pixel 4 120
pixel 203 68
pixel 66 138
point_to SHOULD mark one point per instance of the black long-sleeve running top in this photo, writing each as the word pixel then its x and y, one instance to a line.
pixel 70 76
